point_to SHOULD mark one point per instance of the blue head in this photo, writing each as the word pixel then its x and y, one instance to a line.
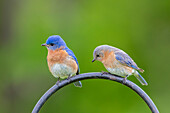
pixel 53 42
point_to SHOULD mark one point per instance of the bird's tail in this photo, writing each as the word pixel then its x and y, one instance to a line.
pixel 140 78
pixel 78 84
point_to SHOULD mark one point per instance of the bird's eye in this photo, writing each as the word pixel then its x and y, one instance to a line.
pixel 51 44
pixel 97 55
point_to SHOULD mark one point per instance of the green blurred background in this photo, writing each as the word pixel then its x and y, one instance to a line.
pixel 141 28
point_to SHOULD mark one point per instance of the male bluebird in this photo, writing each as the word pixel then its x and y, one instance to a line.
pixel 118 62
pixel 61 60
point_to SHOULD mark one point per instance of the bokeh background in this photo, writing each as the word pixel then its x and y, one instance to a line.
pixel 141 28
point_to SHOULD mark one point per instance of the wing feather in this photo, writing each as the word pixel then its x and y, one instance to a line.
pixel 125 59
pixel 70 52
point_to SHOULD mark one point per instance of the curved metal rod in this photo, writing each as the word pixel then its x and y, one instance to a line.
pixel 95 75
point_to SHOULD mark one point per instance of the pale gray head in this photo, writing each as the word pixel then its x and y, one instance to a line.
pixel 99 51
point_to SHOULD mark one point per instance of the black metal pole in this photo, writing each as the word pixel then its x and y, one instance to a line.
pixel 95 75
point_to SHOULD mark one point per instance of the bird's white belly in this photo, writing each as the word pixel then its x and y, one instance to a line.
pixel 62 71
pixel 120 71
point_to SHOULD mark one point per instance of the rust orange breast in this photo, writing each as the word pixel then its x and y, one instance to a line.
pixel 56 56
pixel 61 57
pixel 108 59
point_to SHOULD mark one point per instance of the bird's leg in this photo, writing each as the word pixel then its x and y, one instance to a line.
pixel 69 78
pixel 58 81
pixel 124 79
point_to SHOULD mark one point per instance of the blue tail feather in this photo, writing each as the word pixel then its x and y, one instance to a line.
pixel 140 78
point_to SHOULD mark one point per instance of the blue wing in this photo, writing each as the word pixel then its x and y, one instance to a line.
pixel 70 52
pixel 125 59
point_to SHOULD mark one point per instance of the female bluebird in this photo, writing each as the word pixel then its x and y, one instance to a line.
pixel 118 62
pixel 61 60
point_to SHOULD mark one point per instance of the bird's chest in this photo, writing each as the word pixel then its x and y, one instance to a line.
pixel 109 61
pixel 61 64
pixel 56 56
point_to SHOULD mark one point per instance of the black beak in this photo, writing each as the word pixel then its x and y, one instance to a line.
pixel 93 60
pixel 44 44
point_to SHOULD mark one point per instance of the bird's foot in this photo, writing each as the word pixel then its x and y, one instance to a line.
pixel 124 80
pixel 103 72
pixel 57 83
pixel 69 78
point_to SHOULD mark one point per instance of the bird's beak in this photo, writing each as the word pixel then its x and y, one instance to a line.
pixel 44 44
pixel 93 60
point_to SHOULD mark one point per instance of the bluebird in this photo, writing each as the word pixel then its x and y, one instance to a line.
pixel 118 62
pixel 61 60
